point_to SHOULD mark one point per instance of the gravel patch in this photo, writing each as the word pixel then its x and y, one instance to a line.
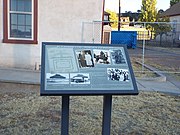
pixel 23 111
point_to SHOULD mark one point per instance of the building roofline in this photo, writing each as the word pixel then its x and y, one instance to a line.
pixel 172 11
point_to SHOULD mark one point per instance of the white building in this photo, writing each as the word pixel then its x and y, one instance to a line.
pixel 25 24
pixel 174 15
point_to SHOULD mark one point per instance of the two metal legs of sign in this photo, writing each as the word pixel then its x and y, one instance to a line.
pixel 106 123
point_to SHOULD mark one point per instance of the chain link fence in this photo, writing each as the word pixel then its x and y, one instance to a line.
pixel 158 44
pixel 91 32
pixel 163 34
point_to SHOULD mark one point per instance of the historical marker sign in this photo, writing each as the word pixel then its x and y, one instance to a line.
pixel 86 69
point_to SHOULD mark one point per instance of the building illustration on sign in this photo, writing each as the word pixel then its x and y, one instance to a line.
pixel 80 78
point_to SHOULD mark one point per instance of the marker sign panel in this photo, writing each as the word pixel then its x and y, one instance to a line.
pixel 86 69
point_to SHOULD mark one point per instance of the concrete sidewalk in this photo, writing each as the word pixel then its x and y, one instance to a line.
pixel 165 87
pixel 19 76
pixel 33 77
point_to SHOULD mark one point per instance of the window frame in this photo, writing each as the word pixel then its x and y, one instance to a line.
pixel 6 22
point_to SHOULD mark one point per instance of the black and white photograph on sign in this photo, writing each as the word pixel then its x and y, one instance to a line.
pixel 117 57
pixel 101 56
pixel 58 78
pixel 116 74
pixel 80 78
pixel 85 58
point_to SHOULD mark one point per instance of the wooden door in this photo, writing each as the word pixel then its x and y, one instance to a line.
pixel 106 37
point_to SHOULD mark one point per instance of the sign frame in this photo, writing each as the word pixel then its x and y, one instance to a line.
pixel 88 92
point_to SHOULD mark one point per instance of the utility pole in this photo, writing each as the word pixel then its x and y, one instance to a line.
pixel 119 20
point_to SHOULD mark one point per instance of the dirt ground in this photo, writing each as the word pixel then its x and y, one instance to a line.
pixel 23 111
pixel 165 59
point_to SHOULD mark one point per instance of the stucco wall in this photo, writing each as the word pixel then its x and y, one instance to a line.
pixel 58 20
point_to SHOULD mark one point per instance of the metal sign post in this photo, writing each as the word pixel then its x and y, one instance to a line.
pixel 65 116
pixel 106 122
pixel 107 107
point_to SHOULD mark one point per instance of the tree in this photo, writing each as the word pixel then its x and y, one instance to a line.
pixel 139 11
pixel 149 11
pixel 172 2
pixel 160 12
pixel 162 27
pixel 113 18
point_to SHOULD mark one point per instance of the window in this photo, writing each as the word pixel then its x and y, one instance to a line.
pixel 106 18
pixel 174 26
pixel 20 21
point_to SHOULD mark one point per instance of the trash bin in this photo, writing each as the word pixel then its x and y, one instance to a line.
pixel 128 38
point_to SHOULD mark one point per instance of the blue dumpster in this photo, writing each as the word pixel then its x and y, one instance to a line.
pixel 128 38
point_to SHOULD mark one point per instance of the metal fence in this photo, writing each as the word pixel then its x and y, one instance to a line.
pixel 158 44
pixel 165 34
pixel 162 34
pixel 91 32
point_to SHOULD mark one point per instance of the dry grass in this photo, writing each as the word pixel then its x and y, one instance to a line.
pixel 170 70
pixel 137 69
pixel 28 113
pixel 167 64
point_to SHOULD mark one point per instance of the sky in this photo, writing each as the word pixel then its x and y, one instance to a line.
pixel 133 5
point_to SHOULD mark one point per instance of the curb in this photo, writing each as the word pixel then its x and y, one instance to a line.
pixel 160 77
pixel 20 82
pixel 21 70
